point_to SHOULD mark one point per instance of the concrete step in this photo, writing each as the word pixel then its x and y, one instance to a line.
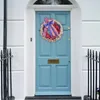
pixel 50 97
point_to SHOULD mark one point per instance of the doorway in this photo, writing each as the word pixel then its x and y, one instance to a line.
pixel 53 67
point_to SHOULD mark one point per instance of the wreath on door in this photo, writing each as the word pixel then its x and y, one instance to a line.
pixel 51 30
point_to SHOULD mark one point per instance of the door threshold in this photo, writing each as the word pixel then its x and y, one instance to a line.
pixel 54 97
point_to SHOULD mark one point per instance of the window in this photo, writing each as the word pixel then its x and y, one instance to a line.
pixel 53 2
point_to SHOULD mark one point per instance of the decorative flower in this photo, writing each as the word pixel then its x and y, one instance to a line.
pixel 51 30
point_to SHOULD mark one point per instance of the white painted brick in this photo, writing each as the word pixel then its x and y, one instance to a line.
pixel 91 33
pixel 90 9
pixel 15 33
pixel 1 9
pixel 84 83
pixel 18 59
pixel 17 83
pixel 16 9
pixel 84 58
pixel 1 32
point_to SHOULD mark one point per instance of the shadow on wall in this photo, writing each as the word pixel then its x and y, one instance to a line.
pixel 51 2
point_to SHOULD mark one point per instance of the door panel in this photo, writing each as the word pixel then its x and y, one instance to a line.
pixel 61 73
pixel 43 51
pixel 63 49
pixel 45 73
pixel 53 79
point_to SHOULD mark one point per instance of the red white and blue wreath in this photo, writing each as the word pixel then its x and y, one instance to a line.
pixel 51 30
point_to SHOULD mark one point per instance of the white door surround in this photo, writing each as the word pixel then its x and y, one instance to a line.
pixel 29 46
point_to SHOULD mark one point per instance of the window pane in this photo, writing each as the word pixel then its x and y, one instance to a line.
pixel 53 2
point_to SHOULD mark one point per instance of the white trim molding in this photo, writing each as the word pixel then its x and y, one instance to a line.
pixel 29 47
pixel 74 3
pixel 51 7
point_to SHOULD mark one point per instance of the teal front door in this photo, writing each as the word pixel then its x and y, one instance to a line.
pixel 53 68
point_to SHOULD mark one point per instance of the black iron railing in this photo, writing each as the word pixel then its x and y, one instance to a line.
pixel 6 92
pixel 6 56
pixel 93 65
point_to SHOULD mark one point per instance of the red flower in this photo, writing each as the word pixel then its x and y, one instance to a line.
pixel 57 27
pixel 48 35
pixel 53 37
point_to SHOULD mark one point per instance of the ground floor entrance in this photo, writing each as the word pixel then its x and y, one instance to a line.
pixel 53 53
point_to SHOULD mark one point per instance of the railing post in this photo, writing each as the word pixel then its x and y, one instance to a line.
pixel 93 74
pixel 90 73
pixel 96 77
pixel 93 60
pixel 11 97
pixel 8 79
pixel 4 49
pixel 10 74
pixel 1 78
pixel 7 74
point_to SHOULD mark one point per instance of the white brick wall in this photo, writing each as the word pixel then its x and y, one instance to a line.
pixel 90 9
pixel 90 34
pixel 16 33
pixel 15 41
pixel 1 33
pixel 16 9
pixel 1 9
pixel 90 37
pixel 17 81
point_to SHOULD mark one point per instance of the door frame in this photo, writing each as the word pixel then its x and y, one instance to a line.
pixel 29 50
pixel 69 92
pixel 50 8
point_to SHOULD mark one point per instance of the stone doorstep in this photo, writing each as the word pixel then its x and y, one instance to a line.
pixel 53 98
